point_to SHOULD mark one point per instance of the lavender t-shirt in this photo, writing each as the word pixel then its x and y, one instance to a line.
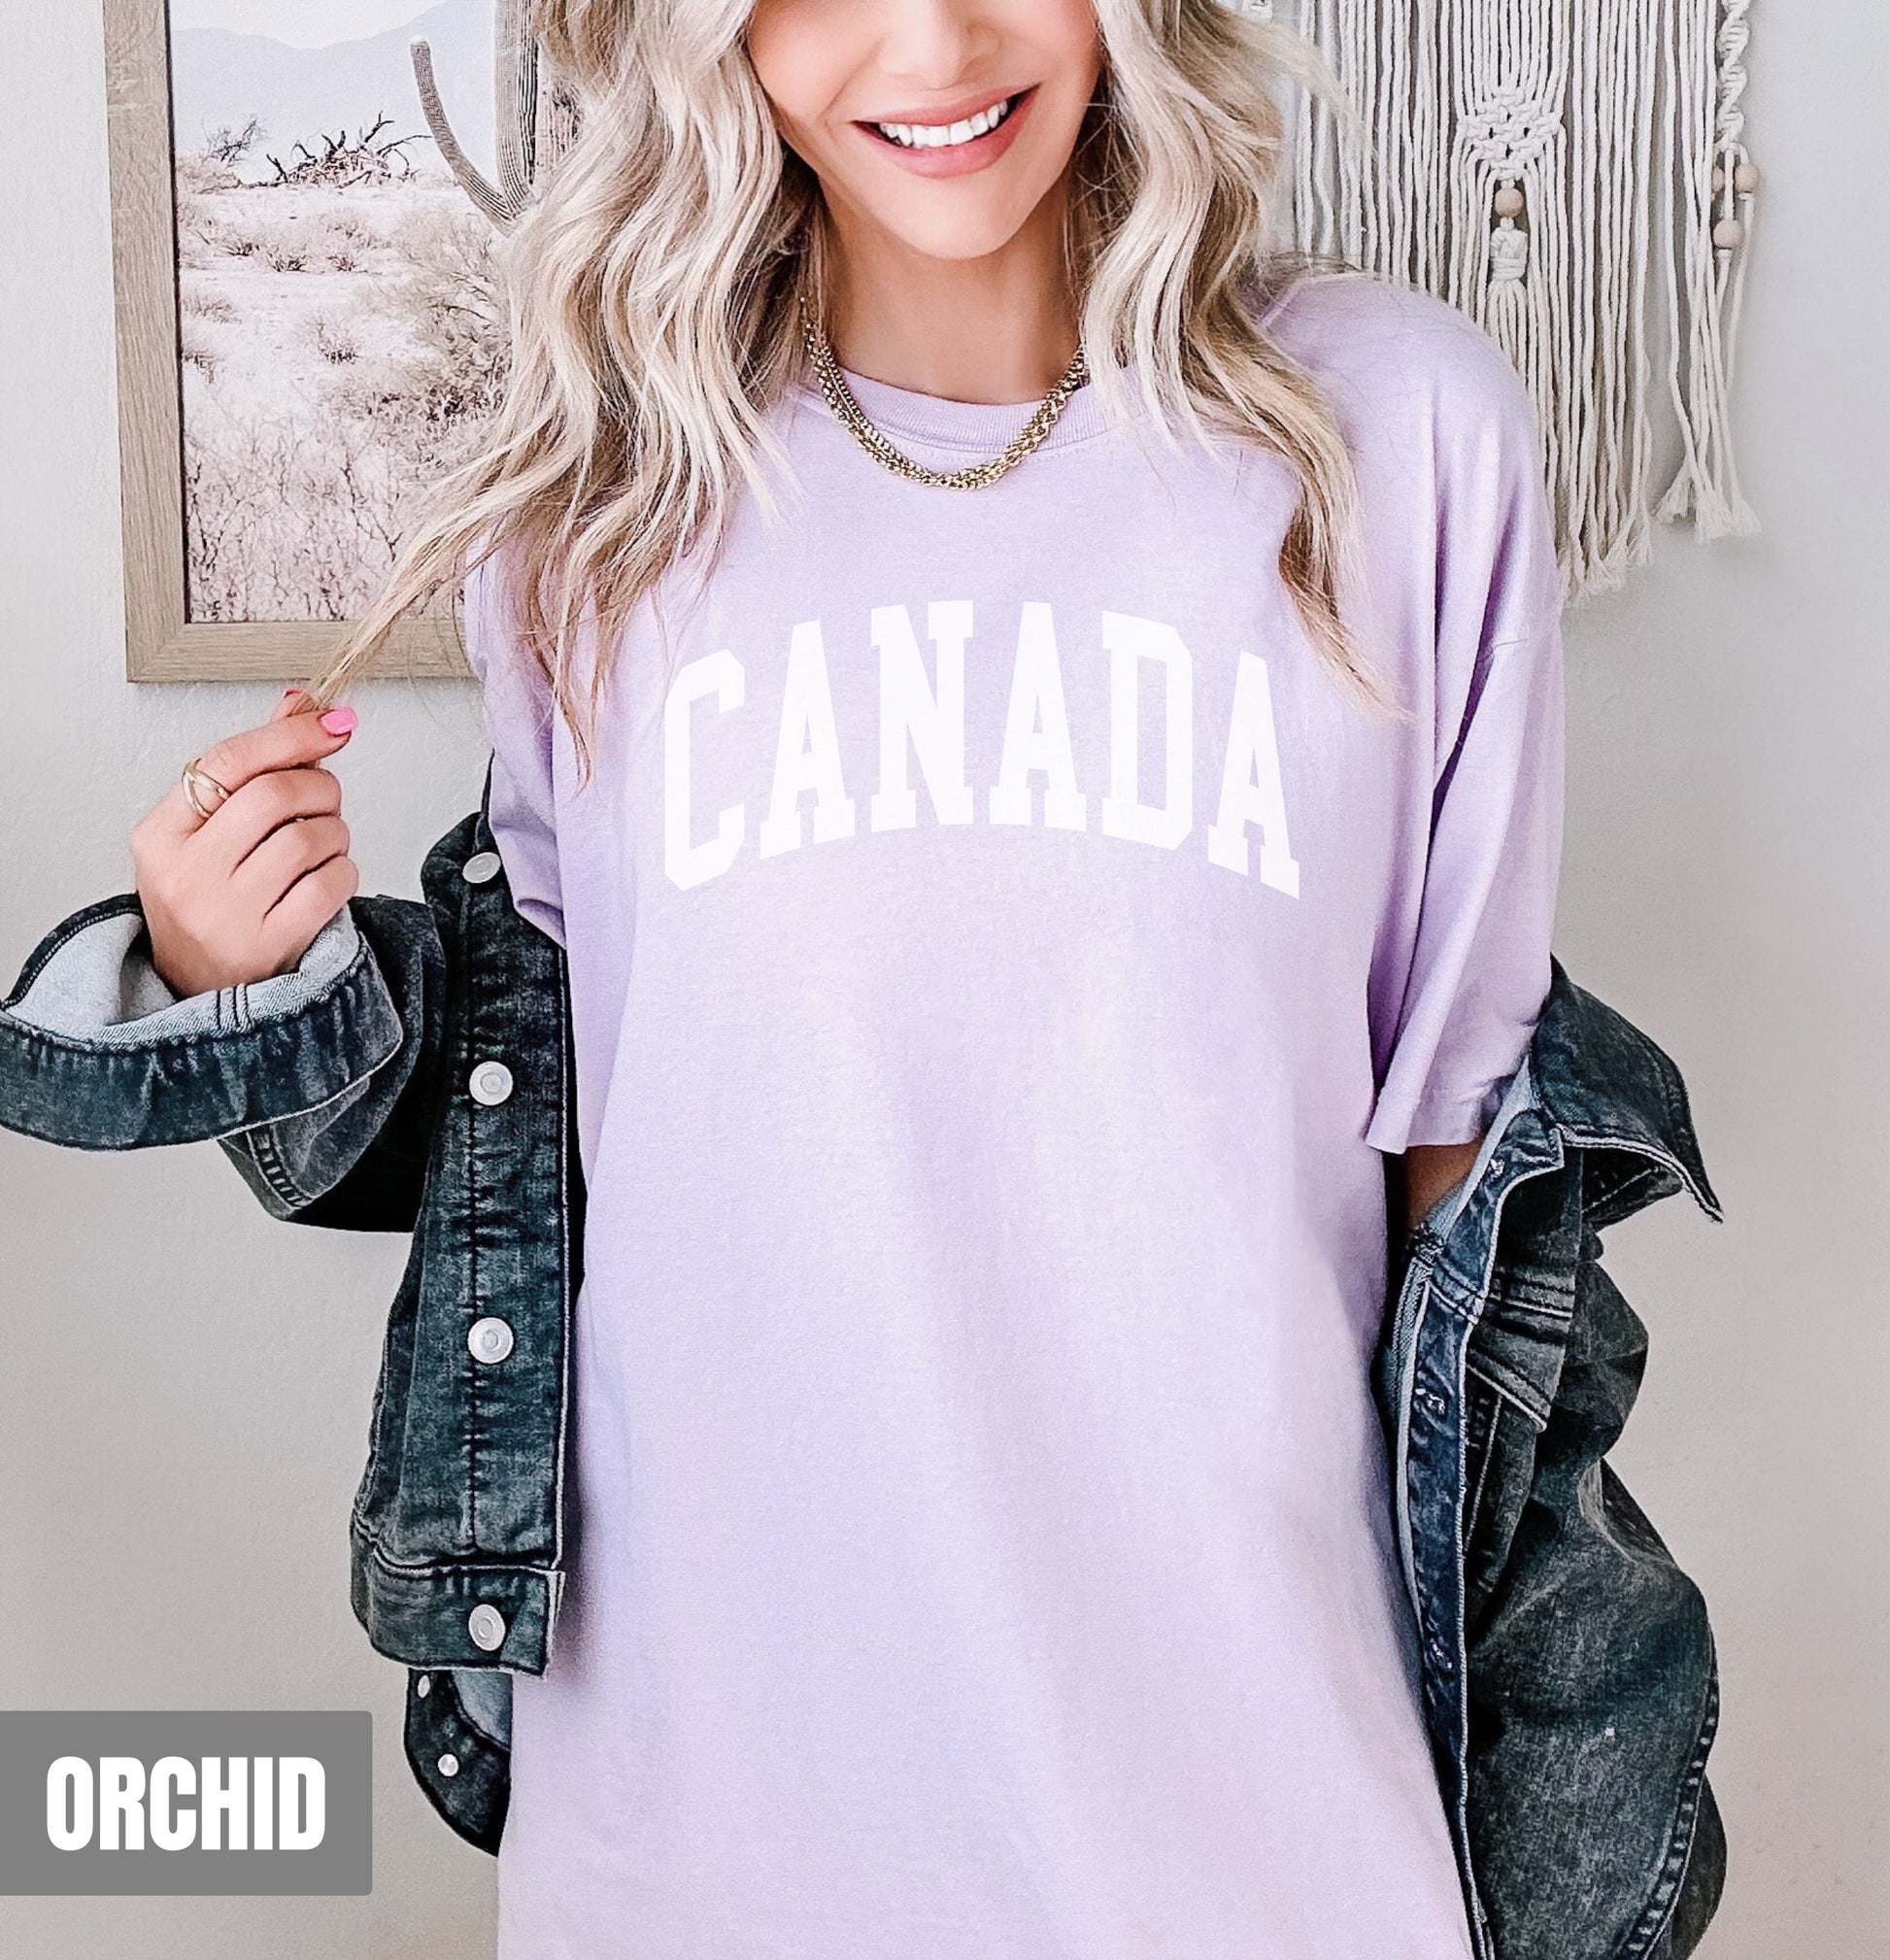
pixel 1001 956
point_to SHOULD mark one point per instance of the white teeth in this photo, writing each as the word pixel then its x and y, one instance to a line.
pixel 945 136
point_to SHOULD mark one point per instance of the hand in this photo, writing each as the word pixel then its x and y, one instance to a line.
pixel 240 895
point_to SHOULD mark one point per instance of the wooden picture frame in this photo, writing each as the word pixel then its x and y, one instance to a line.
pixel 162 642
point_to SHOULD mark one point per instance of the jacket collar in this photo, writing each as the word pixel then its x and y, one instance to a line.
pixel 1606 1087
pixel 1591 1081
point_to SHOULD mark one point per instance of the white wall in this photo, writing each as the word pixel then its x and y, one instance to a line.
pixel 184 1384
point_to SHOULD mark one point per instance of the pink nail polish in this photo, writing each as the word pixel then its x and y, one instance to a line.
pixel 339 720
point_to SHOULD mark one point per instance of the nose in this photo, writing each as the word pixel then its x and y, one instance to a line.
pixel 929 45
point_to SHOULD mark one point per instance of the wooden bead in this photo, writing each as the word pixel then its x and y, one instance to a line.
pixel 1510 202
pixel 1719 180
pixel 1729 234
pixel 1745 178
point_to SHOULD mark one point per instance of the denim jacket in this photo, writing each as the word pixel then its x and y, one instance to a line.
pixel 415 1075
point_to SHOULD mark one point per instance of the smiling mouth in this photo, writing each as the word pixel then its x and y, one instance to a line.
pixel 947 135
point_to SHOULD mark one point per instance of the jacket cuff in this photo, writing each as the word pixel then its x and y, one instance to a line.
pixel 97 1053
pixel 99 984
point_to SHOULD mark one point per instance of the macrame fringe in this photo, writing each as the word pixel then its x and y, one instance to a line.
pixel 1572 174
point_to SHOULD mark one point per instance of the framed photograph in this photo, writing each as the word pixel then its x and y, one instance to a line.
pixel 304 206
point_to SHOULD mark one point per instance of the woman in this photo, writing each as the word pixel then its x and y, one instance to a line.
pixel 1037 723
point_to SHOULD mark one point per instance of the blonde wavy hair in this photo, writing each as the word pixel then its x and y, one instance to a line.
pixel 651 299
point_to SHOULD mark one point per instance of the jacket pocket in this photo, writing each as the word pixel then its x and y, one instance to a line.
pixel 1501 1437
pixel 376 1495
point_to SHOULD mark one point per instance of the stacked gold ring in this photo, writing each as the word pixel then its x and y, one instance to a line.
pixel 196 779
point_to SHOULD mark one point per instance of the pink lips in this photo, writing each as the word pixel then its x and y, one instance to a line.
pixel 960 158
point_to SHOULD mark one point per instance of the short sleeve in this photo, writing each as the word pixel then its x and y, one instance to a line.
pixel 1478 971
pixel 520 718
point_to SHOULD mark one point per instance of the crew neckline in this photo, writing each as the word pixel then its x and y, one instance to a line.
pixel 983 426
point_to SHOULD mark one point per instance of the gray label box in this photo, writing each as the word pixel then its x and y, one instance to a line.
pixel 99 1801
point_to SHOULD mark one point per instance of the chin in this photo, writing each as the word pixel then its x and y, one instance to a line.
pixel 948 219
pixel 964 236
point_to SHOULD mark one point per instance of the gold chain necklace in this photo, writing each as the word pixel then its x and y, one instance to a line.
pixel 973 476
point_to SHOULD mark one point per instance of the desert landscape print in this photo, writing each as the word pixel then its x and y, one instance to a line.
pixel 341 334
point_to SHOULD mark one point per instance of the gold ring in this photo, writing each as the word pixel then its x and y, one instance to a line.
pixel 194 774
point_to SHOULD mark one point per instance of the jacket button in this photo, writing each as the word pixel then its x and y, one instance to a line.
pixel 449 1764
pixel 487 1626
pixel 489 1340
pixel 424 1686
pixel 491 1082
pixel 480 868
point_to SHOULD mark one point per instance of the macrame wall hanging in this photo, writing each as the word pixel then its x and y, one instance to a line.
pixel 1572 174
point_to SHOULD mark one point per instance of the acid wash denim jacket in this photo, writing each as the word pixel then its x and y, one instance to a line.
pixel 415 1075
